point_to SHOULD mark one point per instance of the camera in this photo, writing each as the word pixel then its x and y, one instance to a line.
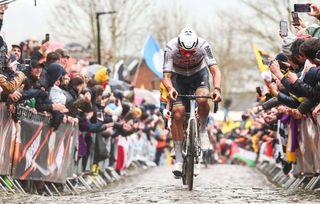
pixel 302 8
pixel 27 62
pixel 284 67
pixel 100 116
pixel 258 90
pixel 47 38
pixel 295 18
pixel 284 28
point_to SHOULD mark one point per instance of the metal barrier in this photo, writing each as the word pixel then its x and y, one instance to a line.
pixel 305 172
pixel 32 154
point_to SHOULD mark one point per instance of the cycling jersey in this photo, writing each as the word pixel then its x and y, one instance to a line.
pixel 175 62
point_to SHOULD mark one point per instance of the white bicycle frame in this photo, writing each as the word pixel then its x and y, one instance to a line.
pixel 192 118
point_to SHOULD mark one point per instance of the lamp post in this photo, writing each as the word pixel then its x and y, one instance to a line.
pixel 98 14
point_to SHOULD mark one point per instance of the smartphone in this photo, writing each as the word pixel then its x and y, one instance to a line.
pixel 302 8
pixel 27 62
pixel 283 67
pixel 47 37
pixel 295 18
pixel 284 28
pixel 100 116
pixel 258 90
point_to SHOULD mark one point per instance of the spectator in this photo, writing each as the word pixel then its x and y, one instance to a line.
pixel 64 57
pixel 17 51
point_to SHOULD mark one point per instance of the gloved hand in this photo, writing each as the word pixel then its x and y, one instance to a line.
pixel 166 114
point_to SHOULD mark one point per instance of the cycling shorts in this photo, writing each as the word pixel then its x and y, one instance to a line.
pixel 187 85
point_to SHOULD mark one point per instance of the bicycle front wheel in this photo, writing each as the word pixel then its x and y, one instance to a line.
pixel 191 155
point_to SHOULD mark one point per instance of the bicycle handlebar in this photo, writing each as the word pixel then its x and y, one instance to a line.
pixel 192 97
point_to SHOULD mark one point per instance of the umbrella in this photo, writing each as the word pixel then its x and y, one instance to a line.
pixel 55 45
pixel 146 95
pixel 91 70
pixel 117 85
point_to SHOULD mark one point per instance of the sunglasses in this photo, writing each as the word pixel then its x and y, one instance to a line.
pixel 187 52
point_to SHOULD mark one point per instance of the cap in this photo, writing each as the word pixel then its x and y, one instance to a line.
pixel 63 53
pixel 16 46
pixel 35 64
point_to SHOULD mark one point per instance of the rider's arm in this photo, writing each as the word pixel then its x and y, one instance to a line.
pixel 167 81
pixel 216 75
pixel 212 64
pixel 167 69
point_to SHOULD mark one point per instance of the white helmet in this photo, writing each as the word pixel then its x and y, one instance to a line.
pixel 188 39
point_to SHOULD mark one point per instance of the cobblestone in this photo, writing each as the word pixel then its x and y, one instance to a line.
pixel 216 184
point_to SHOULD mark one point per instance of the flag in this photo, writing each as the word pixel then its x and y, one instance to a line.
pixel 263 59
pixel 153 56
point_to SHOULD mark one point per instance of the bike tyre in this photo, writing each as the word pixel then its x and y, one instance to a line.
pixel 191 155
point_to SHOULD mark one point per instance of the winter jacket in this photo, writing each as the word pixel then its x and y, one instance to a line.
pixel 10 86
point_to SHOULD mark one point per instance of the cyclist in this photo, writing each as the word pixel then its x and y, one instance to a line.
pixel 187 62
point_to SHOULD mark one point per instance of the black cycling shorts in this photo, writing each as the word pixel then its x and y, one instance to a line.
pixel 187 85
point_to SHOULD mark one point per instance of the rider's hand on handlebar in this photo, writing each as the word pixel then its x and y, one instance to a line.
pixel 216 96
pixel 173 94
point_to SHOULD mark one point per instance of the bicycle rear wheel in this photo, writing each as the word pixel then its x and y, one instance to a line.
pixel 191 155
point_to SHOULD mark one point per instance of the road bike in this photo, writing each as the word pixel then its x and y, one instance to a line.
pixel 191 144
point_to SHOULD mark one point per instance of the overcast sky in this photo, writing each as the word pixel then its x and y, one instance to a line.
pixel 23 20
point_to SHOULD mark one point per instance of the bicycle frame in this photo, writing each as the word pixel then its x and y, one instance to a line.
pixel 192 118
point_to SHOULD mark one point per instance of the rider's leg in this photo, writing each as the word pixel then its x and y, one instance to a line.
pixel 177 130
pixel 203 111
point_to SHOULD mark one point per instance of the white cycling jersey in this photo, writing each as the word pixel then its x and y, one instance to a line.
pixel 175 62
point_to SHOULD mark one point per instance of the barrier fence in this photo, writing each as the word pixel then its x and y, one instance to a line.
pixel 306 168
pixel 31 151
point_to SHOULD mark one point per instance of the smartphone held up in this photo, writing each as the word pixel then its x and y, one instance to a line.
pixel 283 28
pixel 295 19
pixel 302 8
pixel 259 91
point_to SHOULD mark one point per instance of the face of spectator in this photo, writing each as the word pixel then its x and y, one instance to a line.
pixel 64 61
pixel 25 47
pixel 65 80
pixel 58 82
pixel 36 72
pixel 80 87
pixel 16 51
pixel 99 98
pixel 45 46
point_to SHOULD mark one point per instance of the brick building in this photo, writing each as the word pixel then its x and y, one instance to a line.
pixel 144 77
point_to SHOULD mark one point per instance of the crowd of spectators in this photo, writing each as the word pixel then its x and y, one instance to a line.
pixel 291 93
pixel 35 78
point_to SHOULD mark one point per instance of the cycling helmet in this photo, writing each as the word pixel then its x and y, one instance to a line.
pixel 188 39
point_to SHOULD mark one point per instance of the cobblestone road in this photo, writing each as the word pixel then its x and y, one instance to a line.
pixel 216 184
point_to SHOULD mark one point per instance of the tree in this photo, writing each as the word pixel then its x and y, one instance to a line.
pixel 76 19
pixel 262 21
pixel 168 20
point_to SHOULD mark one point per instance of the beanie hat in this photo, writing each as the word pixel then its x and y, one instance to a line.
pixel 54 72
pixel 281 57
pixel 102 75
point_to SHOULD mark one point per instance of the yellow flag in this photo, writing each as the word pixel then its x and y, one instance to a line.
pixel 262 58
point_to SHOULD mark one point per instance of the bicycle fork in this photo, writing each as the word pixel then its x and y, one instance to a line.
pixel 192 118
